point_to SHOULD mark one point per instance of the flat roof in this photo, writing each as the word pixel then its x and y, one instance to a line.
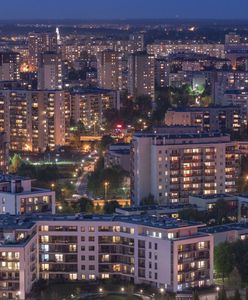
pixel 27 221
pixel 225 227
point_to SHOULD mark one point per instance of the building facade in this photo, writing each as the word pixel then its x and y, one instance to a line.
pixel 166 253
pixel 171 164
pixel 17 196
pixel 141 75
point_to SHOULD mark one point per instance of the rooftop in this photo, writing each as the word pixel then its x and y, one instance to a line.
pixel 225 227
pixel 21 222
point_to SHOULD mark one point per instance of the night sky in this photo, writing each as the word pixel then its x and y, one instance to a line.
pixel 123 9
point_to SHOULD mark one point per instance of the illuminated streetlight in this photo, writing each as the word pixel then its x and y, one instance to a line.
pixel 161 290
pixel 122 289
pixel 106 184
pixel 100 290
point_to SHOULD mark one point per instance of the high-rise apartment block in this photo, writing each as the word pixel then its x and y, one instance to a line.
pixel 39 43
pixel 33 120
pixel 102 247
pixel 89 105
pixel 9 66
pixel 173 163
pixel 109 69
pixel 141 75
pixel 50 71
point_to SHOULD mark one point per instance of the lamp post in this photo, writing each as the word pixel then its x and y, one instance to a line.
pixel 106 184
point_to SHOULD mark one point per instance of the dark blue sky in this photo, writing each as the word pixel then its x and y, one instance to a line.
pixel 115 9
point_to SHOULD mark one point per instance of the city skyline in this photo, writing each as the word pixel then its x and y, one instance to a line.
pixel 124 9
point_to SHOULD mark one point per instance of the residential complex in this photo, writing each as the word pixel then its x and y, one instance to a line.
pixel 163 252
pixel 172 163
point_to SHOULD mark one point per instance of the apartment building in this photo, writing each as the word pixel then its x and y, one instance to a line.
pixel 9 66
pixel 213 118
pixel 4 153
pixel 18 196
pixel 141 75
pixel 172 163
pixel 18 257
pixel 50 71
pixel 166 48
pixel 163 252
pixel 33 120
pixel 89 104
pixel 227 232
pixel 109 69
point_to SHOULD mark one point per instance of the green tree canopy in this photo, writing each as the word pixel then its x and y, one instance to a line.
pixel 223 260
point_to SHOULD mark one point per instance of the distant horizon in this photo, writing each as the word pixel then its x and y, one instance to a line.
pixel 123 9
pixel 40 19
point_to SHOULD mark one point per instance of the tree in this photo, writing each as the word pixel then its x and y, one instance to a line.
pixel 109 207
pixel 195 295
pixel 16 163
pixel 222 294
pixel 220 211
pixel 240 254
pixel 85 205
pixel 237 295
pixel 223 260
pixel 105 142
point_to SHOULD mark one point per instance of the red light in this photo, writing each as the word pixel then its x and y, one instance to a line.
pixel 119 126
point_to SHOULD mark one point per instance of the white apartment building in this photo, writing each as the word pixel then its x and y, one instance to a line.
pixel 17 196
pixel 172 163
pixel 163 252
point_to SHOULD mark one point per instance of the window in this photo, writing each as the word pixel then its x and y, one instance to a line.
pixel 105 276
pixel 91 267
pixel 92 277
pixel 44 228
pixel 91 238
pixel 73 276
pixel 91 229
pixel 83 277
pixel 91 257
pixel 156 246
pixel 59 257
pixel 82 257
pixel 91 248
pixel 83 267
pixel 82 238
pixel 83 229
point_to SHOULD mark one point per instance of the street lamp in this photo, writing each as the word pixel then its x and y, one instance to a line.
pixel 100 290
pixel 106 184
pixel 122 289
pixel 161 290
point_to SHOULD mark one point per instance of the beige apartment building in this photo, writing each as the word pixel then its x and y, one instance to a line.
pixel 172 163
pixel 162 252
